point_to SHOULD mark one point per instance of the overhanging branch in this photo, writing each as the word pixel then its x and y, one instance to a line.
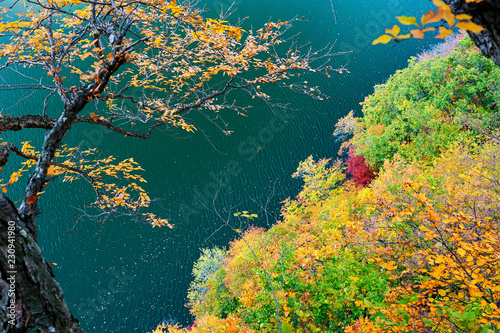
pixel 28 121
pixel 7 148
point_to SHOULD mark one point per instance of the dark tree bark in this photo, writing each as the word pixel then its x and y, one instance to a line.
pixel 27 121
pixel 39 301
pixel 487 15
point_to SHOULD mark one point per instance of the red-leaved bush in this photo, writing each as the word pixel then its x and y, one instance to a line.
pixel 361 172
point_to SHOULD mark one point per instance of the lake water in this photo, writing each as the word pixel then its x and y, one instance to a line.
pixel 127 277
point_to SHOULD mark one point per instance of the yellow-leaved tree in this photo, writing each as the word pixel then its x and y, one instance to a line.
pixel 146 62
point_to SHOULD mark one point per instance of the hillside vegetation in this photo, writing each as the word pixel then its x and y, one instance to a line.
pixel 409 243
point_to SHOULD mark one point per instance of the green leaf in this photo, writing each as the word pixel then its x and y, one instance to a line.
pixel 469 316
pixel 286 327
pixel 428 322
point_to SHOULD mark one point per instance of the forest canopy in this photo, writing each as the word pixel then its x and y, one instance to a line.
pixel 415 250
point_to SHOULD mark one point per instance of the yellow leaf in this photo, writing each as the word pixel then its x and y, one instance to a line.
pixel 54 171
pixel 408 20
pixel 461 252
pixel 394 31
pixel 443 32
pixel 449 17
pixel 87 77
pixel 440 4
pixel 442 292
pixel 470 26
pixel 384 39
pixel 463 17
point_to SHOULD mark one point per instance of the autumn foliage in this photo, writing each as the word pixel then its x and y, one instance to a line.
pixel 414 251
pixel 142 65
pixel 360 171
pixel 440 19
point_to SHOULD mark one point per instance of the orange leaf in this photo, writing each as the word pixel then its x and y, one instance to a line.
pixel 432 17
pixel 419 33
pixel 32 199
pixel 94 116
pixel 435 216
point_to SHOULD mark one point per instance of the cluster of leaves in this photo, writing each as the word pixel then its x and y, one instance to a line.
pixel 415 251
pixel 144 65
pixel 445 21
pixel 424 109
pixel 357 167
pixel 100 173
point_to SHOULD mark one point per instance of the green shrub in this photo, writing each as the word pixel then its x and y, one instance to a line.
pixel 207 293
pixel 425 108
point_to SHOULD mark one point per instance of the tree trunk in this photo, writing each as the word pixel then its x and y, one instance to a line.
pixel 487 15
pixel 38 305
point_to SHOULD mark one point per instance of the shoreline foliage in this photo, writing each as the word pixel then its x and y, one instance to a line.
pixel 416 250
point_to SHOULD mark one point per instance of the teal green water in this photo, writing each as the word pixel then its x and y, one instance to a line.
pixel 124 276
